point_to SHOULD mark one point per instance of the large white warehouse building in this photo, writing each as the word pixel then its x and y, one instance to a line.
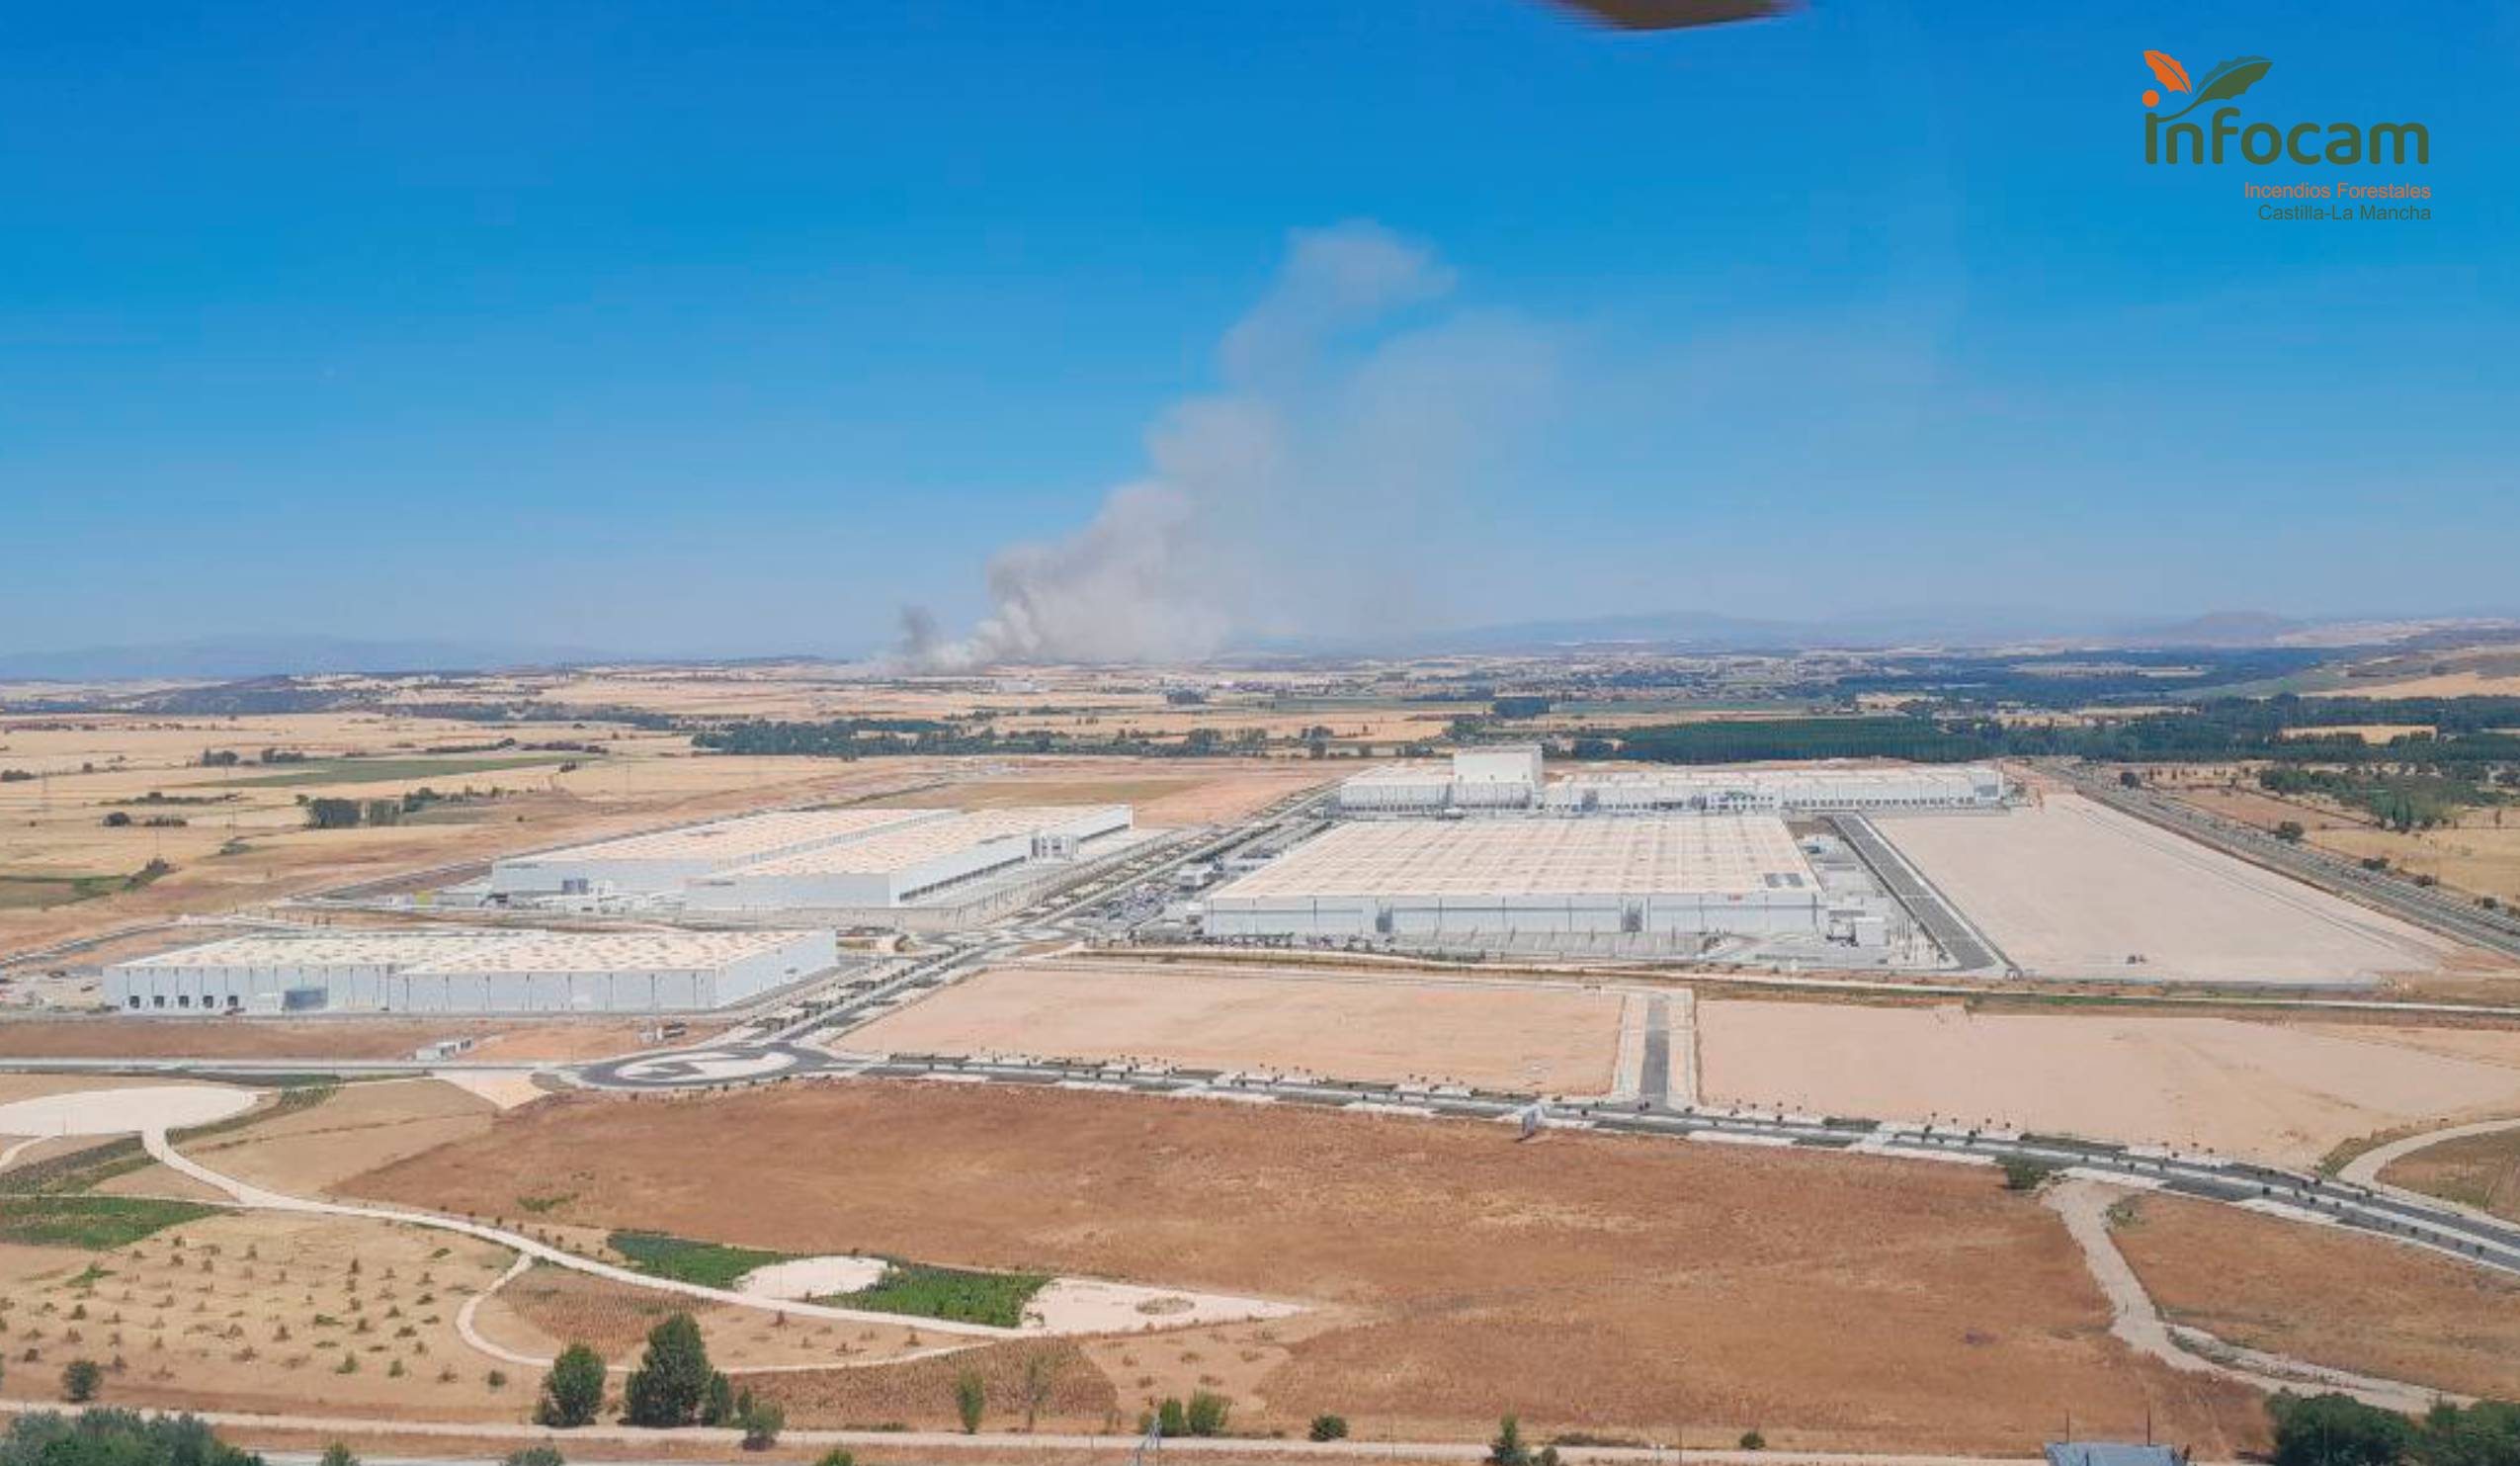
pixel 899 867
pixel 662 861
pixel 1809 789
pixel 490 973
pixel 1489 878
pixel 1494 780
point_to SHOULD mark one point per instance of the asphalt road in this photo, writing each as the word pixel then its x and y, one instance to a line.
pixel 1958 939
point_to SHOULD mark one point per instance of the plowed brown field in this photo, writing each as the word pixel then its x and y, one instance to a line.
pixel 1590 1282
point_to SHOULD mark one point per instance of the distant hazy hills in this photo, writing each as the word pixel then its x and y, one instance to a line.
pixel 225 657
pixel 1971 627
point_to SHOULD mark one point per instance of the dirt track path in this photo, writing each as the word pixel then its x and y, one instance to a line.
pixel 2364 1168
pixel 248 1195
pixel 2083 1205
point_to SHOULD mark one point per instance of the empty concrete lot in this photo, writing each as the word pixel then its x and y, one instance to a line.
pixel 1554 1039
pixel 2068 889
pixel 2286 1092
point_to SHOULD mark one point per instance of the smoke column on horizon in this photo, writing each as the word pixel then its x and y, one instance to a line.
pixel 1287 503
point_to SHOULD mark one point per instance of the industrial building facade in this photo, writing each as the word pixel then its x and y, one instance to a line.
pixel 490 973
pixel 1471 878
pixel 1509 780
pixel 906 865
pixel 855 860
pixel 662 861
pixel 1816 789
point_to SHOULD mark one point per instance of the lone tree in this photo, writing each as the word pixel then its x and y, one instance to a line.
pixel 573 1392
pixel 338 1454
pixel 673 1379
pixel 535 1455
pixel 718 1403
pixel 1507 1449
pixel 1040 1376
pixel 1207 1414
pixel 970 1398
pixel 760 1419
pixel 80 1379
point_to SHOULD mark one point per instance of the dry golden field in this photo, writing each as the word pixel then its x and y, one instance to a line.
pixel 1591 1282
pixel 2479 852
pixel 2327 1295
pixel 2479 1171
pixel 190 838
pixel 264 1312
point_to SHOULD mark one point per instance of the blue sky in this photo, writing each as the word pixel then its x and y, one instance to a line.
pixel 731 328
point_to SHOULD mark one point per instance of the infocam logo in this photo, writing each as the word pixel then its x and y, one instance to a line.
pixel 2166 139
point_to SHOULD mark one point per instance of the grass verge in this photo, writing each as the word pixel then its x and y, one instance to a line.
pixel 912 1289
pixel 707 1263
pixel 948 1293
pixel 391 770
pixel 95 1222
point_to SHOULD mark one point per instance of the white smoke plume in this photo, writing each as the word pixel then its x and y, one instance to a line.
pixel 1299 500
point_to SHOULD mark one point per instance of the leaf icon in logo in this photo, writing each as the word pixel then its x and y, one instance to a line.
pixel 2168 67
pixel 2232 78
pixel 2226 81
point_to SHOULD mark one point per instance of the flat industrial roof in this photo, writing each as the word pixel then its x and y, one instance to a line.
pixel 745 837
pixel 900 849
pixel 1723 854
pixel 331 949
pixel 612 951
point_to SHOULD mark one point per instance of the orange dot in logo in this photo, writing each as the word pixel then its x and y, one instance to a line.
pixel 2151 97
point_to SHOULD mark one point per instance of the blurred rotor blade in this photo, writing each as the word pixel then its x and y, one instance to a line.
pixel 1673 15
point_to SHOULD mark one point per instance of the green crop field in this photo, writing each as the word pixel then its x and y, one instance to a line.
pixel 913 1289
pixel 948 1293
pixel 391 770
pixel 34 891
pixel 707 1263
pixel 95 1222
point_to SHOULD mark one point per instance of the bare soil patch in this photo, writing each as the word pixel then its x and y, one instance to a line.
pixel 1560 1040
pixel 2328 1296
pixel 1080 1397
pixel 550 1308
pixel 359 1127
pixel 2275 1091
pixel 1589 1281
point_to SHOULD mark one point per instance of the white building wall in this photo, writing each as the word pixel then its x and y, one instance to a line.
pixel 1782 912
pixel 203 990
